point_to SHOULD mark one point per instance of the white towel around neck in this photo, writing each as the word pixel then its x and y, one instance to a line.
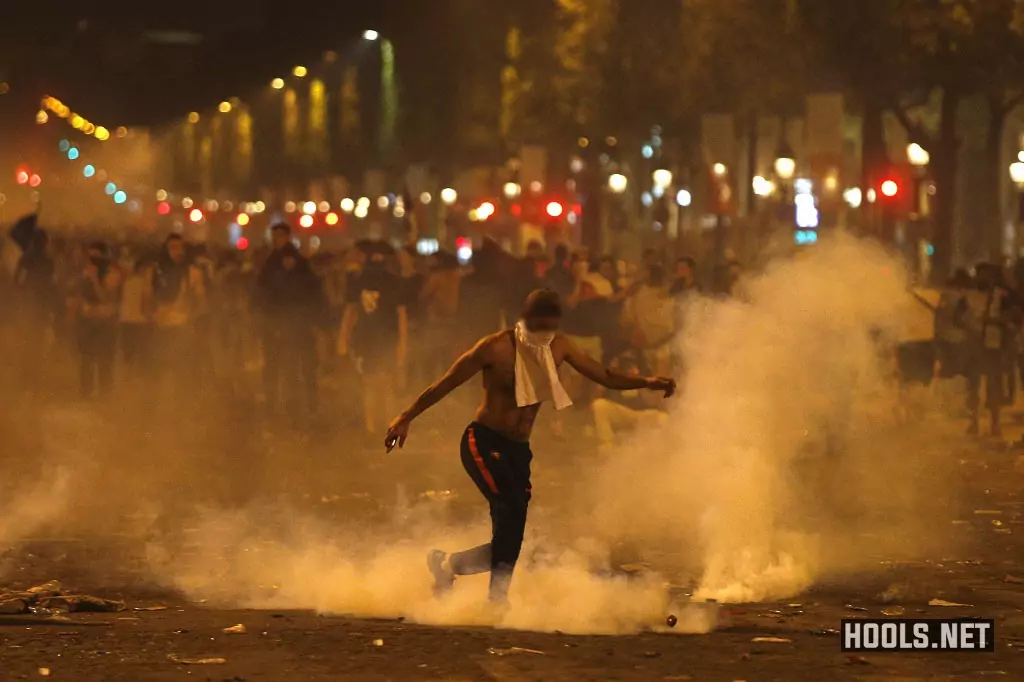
pixel 536 374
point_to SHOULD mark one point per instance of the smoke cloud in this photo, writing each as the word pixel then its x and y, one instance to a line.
pixel 785 459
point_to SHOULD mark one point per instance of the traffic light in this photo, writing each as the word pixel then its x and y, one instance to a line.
pixel 22 175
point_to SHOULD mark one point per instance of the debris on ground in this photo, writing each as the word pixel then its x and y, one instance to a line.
pixel 235 630
pixel 826 632
pixel 943 602
pixel 851 607
pixel 174 658
pixel 44 672
pixel 1013 579
pixel 772 640
pixel 513 650
pixel 857 660
pixel 894 611
pixel 671 621
pixel 50 598
pixel 155 607
pixel 378 642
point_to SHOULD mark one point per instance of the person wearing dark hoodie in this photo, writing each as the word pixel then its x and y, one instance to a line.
pixel 98 303
pixel 293 307
pixel 178 295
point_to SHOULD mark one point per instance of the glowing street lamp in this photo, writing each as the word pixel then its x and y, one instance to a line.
pixel 917 155
pixel 449 196
pixel 277 83
pixel 785 167
pixel 371 35
pixel 662 178
pixel 1017 172
pixel 617 183
pixel 684 198
pixel 512 190
pixel 719 170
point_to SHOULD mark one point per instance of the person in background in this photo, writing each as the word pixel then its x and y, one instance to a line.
pixel 619 413
pixel 179 293
pixel 650 320
pixel 440 296
pixel 990 311
pixel 136 320
pixel 374 330
pixel 294 307
pixel 951 327
pixel 97 306
pixel 684 278
pixel 229 303
pixel 559 278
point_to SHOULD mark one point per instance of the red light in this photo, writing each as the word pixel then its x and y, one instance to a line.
pixel 242 243
pixel 463 242
pixel 242 219
pixel 890 188
pixel 21 176
pixel 163 208
pixel 517 210
pixel 331 219
pixel 195 215
pixel 35 180
pixel 555 209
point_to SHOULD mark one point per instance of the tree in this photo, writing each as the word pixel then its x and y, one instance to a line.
pixel 900 53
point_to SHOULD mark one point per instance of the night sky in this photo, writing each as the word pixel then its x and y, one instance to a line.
pixel 120 62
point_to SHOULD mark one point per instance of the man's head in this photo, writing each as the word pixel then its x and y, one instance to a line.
pixel 542 311
pixel 175 246
pixel 561 253
pixel 280 234
pixel 685 269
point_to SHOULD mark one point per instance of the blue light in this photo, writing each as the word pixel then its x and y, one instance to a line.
pixel 63 145
pixel 73 153
pixel 930 249
pixel 111 188
pixel 805 237
pixel 89 170
pixel 647 151
pixel 120 197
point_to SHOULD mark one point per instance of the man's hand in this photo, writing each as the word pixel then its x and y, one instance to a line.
pixel 397 433
pixel 667 386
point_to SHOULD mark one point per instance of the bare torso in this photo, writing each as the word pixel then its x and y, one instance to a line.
pixel 499 410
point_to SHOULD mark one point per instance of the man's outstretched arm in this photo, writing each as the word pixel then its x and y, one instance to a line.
pixel 612 378
pixel 464 369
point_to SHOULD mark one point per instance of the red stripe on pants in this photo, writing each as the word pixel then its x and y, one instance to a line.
pixel 488 478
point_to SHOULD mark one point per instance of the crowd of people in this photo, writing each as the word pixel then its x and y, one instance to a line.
pixel 373 320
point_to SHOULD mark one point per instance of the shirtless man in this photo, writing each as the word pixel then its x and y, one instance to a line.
pixel 495 447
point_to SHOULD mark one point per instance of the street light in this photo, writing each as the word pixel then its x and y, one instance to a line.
pixel 684 198
pixel 917 155
pixel 1017 172
pixel 617 183
pixel 719 170
pixel 277 83
pixel 662 178
pixel 370 35
pixel 449 196
pixel 785 167
pixel 512 190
